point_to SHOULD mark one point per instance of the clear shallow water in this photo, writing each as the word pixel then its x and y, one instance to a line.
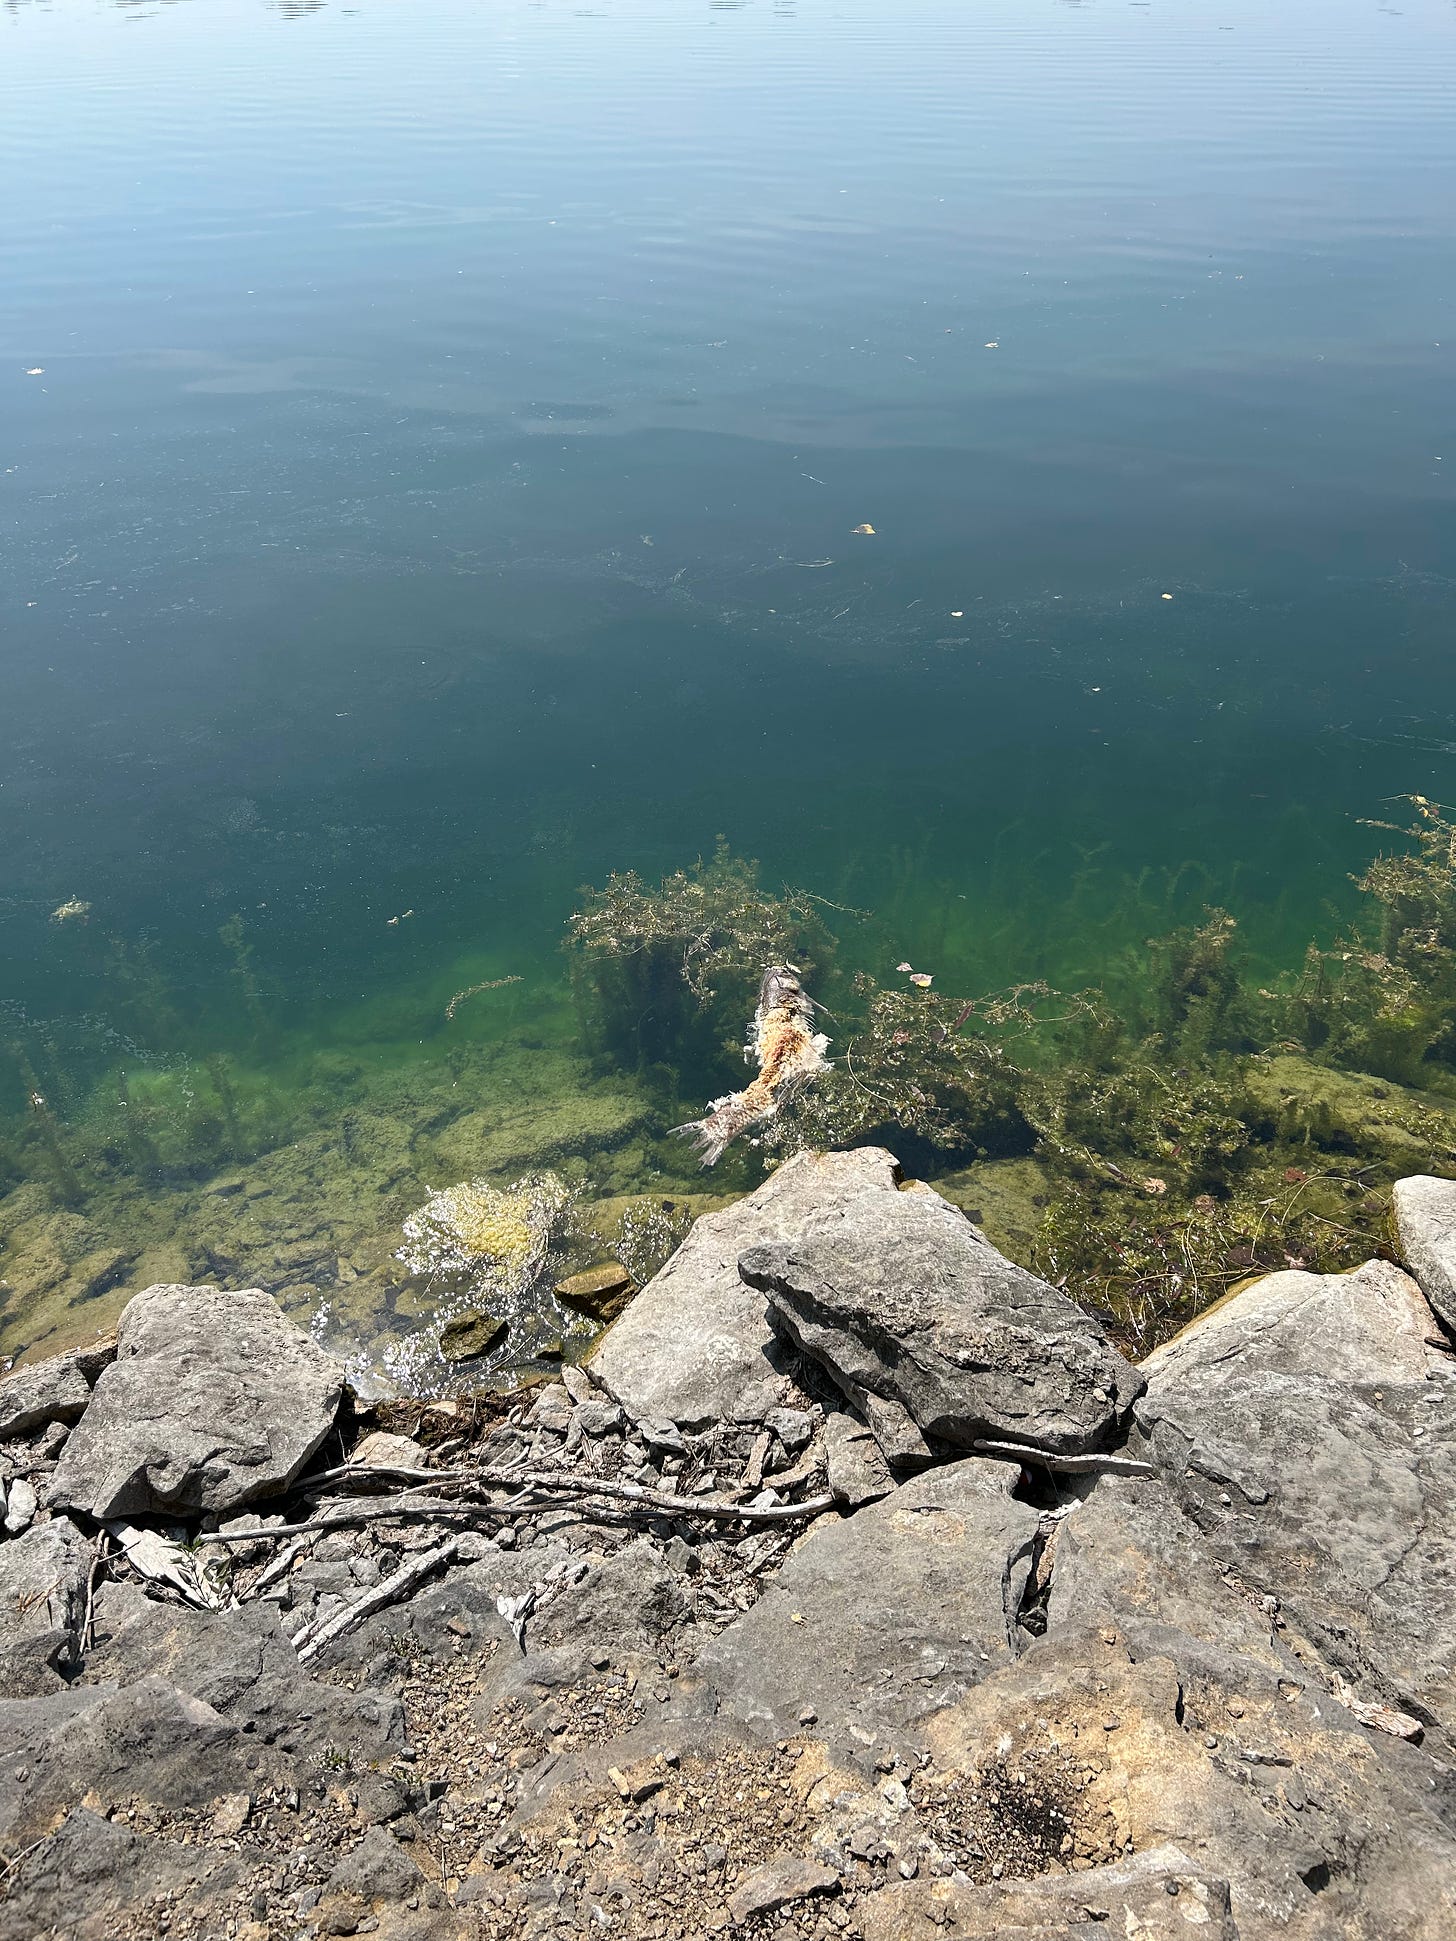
pixel 439 483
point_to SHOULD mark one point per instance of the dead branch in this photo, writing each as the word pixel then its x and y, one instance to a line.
pixel 312 1639
pixel 98 1558
pixel 559 1482
pixel 1068 1465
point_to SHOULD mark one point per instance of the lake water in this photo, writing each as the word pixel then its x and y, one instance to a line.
pixel 432 447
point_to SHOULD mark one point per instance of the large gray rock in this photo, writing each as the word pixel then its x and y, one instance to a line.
pixel 51 1391
pixel 876 1620
pixel 43 1578
pixel 91 1869
pixel 93 1743
pixel 1309 1434
pixel 241 1664
pixel 695 1346
pixel 1425 1223
pixel 1320 1828
pixel 214 1400
pixel 914 1314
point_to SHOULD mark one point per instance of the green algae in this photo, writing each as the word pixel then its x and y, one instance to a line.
pixel 1146 1143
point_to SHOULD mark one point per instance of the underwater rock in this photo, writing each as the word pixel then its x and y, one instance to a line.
pixel 697 1338
pixel 1425 1222
pixel 470 1334
pixel 601 1292
pixel 641 1230
pixel 542 1130
pixel 498 1235
pixel 214 1399
pixel 925 1327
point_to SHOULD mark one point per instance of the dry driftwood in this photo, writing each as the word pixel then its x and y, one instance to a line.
pixel 563 1482
pixel 311 1640
pixel 1067 1465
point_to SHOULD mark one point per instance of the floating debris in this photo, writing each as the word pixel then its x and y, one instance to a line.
pixel 73 911
pixel 789 1053
pixel 865 532
pixel 474 990
pixel 922 980
pixel 392 921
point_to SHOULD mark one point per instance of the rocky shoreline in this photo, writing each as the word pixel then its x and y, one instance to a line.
pixel 855 1585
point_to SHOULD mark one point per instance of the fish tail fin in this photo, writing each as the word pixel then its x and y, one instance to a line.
pixel 714 1134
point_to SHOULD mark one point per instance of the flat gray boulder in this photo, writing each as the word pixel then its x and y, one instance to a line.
pixel 1425 1223
pixel 213 1401
pixel 1308 1432
pixel 696 1345
pixel 878 1619
pixel 932 1333
pixel 43 1578
pixel 52 1391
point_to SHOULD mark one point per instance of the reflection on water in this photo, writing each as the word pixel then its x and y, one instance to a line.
pixel 435 447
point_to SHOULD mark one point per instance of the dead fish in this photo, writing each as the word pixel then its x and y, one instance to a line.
pixel 789 1053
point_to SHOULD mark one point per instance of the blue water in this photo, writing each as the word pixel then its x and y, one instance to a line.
pixel 432 440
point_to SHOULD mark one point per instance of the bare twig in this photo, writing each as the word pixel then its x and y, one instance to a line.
pixel 272 1572
pixel 16 1858
pixel 1069 1465
pixel 551 1482
pixel 311 1641
pixel 98 1558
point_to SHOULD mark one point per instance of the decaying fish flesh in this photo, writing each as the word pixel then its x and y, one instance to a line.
pixel 789 1052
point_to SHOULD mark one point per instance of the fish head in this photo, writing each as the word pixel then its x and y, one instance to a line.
pixel 780 985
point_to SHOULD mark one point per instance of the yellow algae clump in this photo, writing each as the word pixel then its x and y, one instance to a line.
pixel 498 1236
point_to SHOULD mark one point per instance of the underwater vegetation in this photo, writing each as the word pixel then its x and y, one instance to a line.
pixel 670 976
pixel 1194 1119
pixel 1189 1125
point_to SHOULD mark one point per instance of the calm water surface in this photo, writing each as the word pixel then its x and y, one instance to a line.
pixel 432 438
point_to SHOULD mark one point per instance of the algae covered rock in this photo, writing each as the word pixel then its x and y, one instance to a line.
pixel 641 1230
pixel 495 1238
pixel 214 1399
pixel 470 1334
pixel 600 1291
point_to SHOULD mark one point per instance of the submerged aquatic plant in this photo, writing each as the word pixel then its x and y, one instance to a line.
pixel 713 921
pixel 667 976
pixel 927 1064
pixel 1383 998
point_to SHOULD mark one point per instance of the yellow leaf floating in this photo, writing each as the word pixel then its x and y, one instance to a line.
pixel 866 531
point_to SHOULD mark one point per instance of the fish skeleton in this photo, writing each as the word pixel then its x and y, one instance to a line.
pixel 789 1052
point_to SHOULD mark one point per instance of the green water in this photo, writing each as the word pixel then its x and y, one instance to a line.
pixel 431 448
